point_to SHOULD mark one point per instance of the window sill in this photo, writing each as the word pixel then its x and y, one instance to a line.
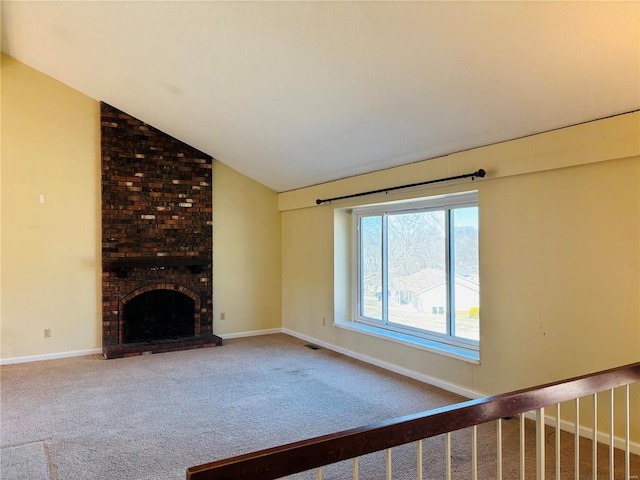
pixel 452 351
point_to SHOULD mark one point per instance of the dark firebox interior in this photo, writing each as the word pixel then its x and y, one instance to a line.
pixel 158 315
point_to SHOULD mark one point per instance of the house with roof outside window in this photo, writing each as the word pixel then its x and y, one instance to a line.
pixel 425 291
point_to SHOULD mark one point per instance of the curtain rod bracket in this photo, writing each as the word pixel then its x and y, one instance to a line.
pixel 480 173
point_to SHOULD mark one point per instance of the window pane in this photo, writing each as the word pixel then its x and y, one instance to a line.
pixel 465 265
pixel 371 267
pixel 417 270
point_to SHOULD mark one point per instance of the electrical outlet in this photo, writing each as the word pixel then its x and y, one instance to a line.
pixel 222 315
pixel 47 332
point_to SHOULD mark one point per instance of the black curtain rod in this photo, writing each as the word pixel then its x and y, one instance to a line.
pixel 478 173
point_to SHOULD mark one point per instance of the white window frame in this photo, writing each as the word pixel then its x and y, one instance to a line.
pixel 437 203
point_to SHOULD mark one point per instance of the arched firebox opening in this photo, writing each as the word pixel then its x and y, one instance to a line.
pixel 159 314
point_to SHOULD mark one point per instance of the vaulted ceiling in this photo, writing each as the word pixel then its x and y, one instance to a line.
pixel 298 93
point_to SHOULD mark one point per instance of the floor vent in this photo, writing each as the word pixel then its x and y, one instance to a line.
pixel 312 346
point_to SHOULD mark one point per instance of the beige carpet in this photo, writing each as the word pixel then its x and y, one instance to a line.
pixel 150 417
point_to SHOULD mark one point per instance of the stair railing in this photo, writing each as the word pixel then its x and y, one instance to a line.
pixel 277 462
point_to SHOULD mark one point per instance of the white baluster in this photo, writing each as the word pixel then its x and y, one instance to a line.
pixel 448 454
pixel 627 446
pixel 419 462
pixel 522 446
pixel 474 452
pixel 558 455
pixel 611 438
pixel 355 468
pixel 577 440
pixel 540 463
pixel 499 450
pixel 594 461
pixel 388 464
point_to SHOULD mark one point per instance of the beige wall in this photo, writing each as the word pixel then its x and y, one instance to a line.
pixel 559 258
pixel 246 254
pixel 50 252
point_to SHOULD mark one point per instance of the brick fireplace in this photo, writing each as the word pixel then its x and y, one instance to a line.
pixel 157 243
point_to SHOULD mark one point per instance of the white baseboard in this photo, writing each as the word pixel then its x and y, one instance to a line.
pixel 585 432
pixel 94 351
pixel 50 356
pixel 251 333
pixel 436 382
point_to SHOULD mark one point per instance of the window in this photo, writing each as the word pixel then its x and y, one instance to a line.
pixel 417 268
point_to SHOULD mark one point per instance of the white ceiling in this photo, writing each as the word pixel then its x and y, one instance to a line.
pixel 298 93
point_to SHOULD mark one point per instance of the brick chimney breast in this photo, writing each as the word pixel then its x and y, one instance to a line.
pixel 157 209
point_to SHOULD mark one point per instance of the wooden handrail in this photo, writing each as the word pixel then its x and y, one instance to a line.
pixel 273 463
